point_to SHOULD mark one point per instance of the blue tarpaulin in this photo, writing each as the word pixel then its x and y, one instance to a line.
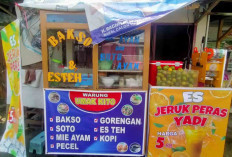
pixel 111 19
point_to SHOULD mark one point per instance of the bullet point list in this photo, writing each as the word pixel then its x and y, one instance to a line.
pixel 52 137
pixel 95 120
pixel 51 119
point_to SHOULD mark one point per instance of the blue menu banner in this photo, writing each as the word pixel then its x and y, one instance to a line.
pixel 93 122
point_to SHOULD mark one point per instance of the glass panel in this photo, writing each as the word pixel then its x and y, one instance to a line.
pixel 70 58
pixel 67 18
pixel 121 61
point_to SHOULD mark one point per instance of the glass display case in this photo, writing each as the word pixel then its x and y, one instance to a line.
pixel 70 60
pixel 66 52
pixel 120 61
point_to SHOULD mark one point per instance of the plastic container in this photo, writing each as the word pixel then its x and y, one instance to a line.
pixel 153 68
pixel 105 65
pixel 108 81
pixel 177 78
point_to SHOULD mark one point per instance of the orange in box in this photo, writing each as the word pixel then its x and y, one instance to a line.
pixel 153 68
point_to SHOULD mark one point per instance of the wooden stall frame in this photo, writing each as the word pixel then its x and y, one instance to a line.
pixel 95 67
pixel 55 25
pixel 146 56
pixel 43 19
pixel 44 25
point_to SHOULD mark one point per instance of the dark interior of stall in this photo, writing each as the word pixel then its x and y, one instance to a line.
pixel 171 42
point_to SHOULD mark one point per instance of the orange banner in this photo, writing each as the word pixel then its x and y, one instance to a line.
pixel 187 122
pixel 13 140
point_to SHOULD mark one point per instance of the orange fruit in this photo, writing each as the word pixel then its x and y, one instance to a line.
pixel 156 100
pixel 164 155
pixel 164 152
pixel 180 154
pixel 220 93
pixel 179 139
pixel 208 139
pixel 168 152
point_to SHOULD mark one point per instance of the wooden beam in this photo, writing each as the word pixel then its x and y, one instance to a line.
pixel 220 14
pixel 214 4
pixel 8 12
pixel 225 34
pixel 193 6
pixel 221 22
pixel 226 0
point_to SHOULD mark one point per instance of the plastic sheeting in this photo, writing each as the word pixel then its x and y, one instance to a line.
pixel 59 5
pixel 111 18
pixel 30 37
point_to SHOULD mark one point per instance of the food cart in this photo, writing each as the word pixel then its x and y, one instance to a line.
pixel 112 83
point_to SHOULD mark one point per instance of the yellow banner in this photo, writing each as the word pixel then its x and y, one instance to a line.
pixel 13 138
pixel 188 122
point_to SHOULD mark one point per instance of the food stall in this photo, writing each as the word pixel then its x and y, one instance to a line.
pixel 186 117
pixel 101 88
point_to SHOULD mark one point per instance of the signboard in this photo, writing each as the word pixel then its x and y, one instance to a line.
pixel 92 122
pixel 188 122
pixel 13 140
pixel 70 35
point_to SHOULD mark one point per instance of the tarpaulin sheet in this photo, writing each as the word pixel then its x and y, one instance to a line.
pixel 59 5
pixel 111 18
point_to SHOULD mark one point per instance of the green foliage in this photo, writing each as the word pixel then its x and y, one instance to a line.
pixel 158 125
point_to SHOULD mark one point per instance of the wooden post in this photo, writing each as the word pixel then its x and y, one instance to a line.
pixel 147 41
pixel 221 22
pixel 43 28
pixel 2 73
pixel 95 67
pixel 154 28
